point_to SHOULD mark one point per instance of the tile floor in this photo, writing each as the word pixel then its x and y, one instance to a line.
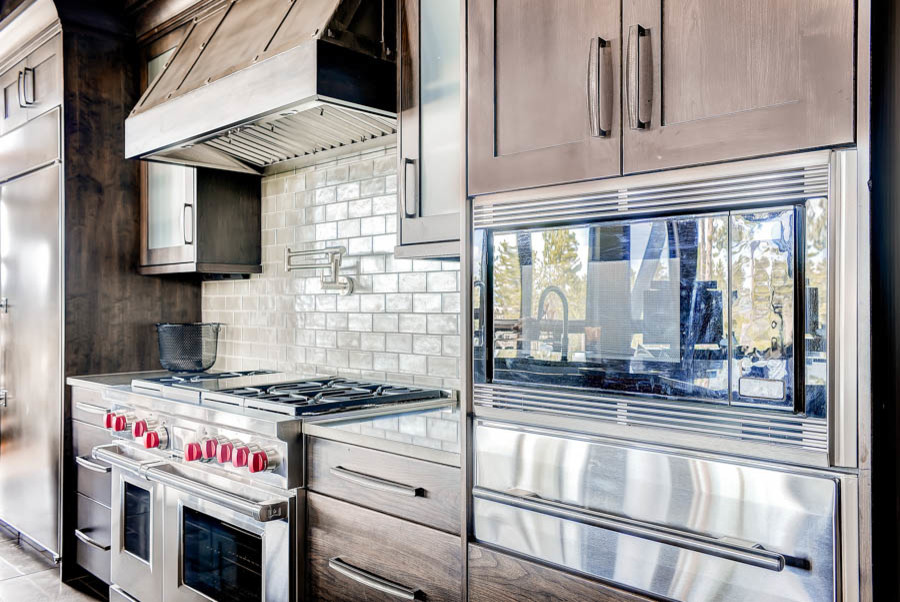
pixel 28 576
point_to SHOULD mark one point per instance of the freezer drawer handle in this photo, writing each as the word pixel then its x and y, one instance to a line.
pixel 373 581
pixel 260 512
pixel 90 408
pixel 92 466
pixel 376 483
pixel 90 540
pixel 751 554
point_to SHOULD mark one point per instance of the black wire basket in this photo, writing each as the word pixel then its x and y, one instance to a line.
pixel 188 347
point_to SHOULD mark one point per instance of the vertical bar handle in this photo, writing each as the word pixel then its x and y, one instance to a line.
pixel 410 189
pixel 639 77
pixel 26 94
pixel 187 223
pixel 600 89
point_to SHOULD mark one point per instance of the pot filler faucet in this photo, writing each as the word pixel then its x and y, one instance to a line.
pixel 564 342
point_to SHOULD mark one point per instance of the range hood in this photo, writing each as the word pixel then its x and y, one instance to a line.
pixel 259 82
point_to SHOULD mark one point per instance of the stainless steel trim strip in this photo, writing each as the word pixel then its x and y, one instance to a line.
pixel 259 511
pixel 372 580
pixel 375 483
pixel 752 554
pixel 81 535
pixel 93 467
pixel 783 429
pixel 759 189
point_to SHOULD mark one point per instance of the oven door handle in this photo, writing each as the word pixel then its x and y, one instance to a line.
pixel 259 511
pixel 749 553
pixel 109 453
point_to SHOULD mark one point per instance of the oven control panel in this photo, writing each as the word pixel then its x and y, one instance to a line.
pixel 197 442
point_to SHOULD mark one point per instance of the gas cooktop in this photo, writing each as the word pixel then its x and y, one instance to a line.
pixel 316 396
pixel 187 386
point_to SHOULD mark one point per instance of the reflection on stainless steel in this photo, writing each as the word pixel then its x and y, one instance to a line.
pixel 30 419
pixel 676 526
pixel 564 341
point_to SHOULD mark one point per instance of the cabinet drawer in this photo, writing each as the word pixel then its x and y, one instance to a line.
pixel 89 406
pixel 30 146
pixel 92 537
pixel 87 436
pixel 92 479
pixel 498 577
pixel 351 548
pixel 416 490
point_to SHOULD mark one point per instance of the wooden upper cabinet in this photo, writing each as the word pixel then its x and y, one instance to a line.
pixel 714 80
pixel 543 92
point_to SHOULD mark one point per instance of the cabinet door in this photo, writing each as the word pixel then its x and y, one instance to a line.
pixel 169 214
pixel 45 74
pixel 713 80
pixel 13 111
pixel 430 154
pixel 543 92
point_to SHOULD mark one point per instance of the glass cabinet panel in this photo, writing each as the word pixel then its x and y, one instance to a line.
pixel 167 196
pixel 440 99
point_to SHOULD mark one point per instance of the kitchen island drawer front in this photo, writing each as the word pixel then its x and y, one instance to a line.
pixel 92 537
pixel 89 406
pixel 498 577
pixel 85 437
pixel 651 520
pixel 92 479
pixel 358 554
pixel 415 490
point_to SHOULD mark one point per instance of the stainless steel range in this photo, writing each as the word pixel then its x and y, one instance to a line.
pixel 208 480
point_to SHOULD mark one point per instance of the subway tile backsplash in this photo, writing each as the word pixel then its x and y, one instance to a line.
pixel 400 324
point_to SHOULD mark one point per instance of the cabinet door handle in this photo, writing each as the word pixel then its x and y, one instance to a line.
pixel 600 88
pixel 410 189
pixel 26 97
pixel 187 223
pixel 90 540
pixel 92 466
pixel 372 580
pixel 376 483
pixel 639 77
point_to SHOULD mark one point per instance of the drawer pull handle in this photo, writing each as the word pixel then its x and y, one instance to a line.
pixel 90 408
pixel 372 580
pixel 92 466
pixel 376 483
pixel 90 540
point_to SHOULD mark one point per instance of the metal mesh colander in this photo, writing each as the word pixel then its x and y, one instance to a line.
pixel 188 347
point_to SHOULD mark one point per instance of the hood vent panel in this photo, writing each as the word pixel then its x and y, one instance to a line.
pixel 259 82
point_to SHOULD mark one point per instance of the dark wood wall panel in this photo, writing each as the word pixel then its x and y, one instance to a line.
pixel 110 308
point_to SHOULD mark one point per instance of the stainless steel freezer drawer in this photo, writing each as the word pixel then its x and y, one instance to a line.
pixel 682 527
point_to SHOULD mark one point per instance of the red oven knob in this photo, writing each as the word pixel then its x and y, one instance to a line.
pixel 109 420
pixel 158 438
pixel 120 423
pixel 139 429
pixel 223 452
pixel 261 461
pixel 192 452
pixel 240 456
pixel 208 448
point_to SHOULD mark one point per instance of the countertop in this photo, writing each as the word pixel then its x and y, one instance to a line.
pixel 430 434
pixel 101 381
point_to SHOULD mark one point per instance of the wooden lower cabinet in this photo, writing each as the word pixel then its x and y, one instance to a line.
pixel 498 577
pixel 359 554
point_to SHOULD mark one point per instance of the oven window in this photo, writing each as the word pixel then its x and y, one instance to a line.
pixel 692 308
pixel 137 521
pixel 220 560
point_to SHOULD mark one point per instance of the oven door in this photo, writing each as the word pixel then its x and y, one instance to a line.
pixel 227 544
pixel 136 559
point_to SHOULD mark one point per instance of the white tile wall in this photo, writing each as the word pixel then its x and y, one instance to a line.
pixel 400 324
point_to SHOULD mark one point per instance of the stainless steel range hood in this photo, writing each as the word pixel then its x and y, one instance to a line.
pixel 258 82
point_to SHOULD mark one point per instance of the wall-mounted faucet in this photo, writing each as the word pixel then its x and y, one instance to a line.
pixel 564 342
